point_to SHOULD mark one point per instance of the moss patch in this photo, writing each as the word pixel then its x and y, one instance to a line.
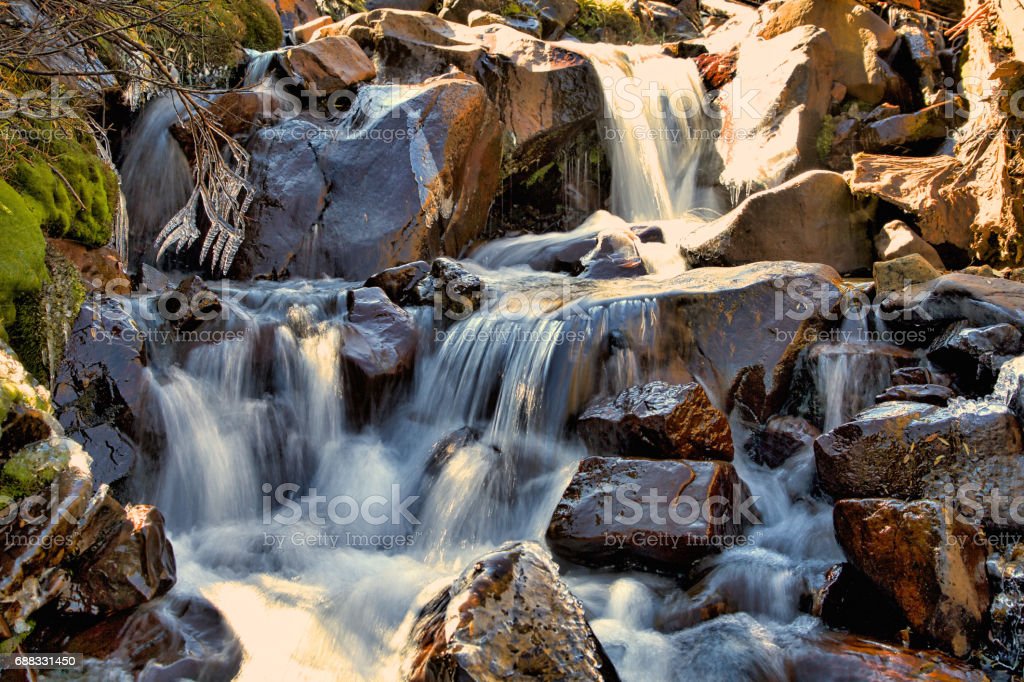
pixel 609 21
pixel 22 252
pixel 71 190
pixel 33 468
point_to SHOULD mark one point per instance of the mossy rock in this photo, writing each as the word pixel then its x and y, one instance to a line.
pixel 22 252
pixel 71 190
pixel 609 21
pixel 44 317
pixel 34 467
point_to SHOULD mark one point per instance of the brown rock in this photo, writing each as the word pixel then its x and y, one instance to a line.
pixel 304 32
pixel 849 600
pixel 508 616
pixel 658 420
pixel 602 520
pixel 857 34
pixel 24 425
pixel 897 240
pixel 329 64
pixel 899 273
pixel 931 564
pixel 101 268
pixel 932 394
pixel 781 438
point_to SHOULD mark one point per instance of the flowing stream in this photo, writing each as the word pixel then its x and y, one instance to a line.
pixel 235 421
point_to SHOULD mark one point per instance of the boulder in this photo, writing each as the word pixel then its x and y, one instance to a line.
pixel 666 20
pixel 911 450
pixel 25 425
pixel 122 558
pixel 507 616
pixel 979 301
pixel 654 515
pixel 899 273
pixel 782 90
pixel 975 355
pixel 378 349
pixel 857 34
pixel 101 268
pixel 405 5
pixel 897 240
pixel 657 420
pixel 99 389
pixel 304 32
pixel 920 375
pixel 328 65
pixel 456 290
pixel 409 174
pixel 813 215
pixel 931 394
pixel 930 563
pixel 544 93
pixel 526 24
pixel 615 255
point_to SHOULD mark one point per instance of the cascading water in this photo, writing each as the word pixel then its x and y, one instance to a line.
pixel 233 422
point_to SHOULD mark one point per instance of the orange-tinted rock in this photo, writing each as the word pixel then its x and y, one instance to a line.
pixel 101 268
pixel 929 562
pixel 329 64
pixel 658 420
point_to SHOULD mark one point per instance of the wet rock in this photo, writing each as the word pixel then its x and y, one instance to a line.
pixel 460 291
pixel 378 348
pixel 328 65
pixel 975 355
pixel 850 600
pixel 25 425
pixel 239 112
pixel 920 375
pixel 931 394
pixel 781 438
pixel 667 20
pixel 912 450
pixel 544 93
pixel 790 78
pixel 926 560
pixel 122 558
pixel 899 273
pixel 99 388
pixel 838 656
pixel 685 49
pixel 190 305
pixel 814 215
pixel 526 24
pixel 980 301
pixel 401 283
pixel 857 34
pixel 602 519
pixel 177 637
pixel 615 255
pixel 101 268
pixel 897 240
pixel 716 70
pixel 379 197
pixel 657 420
pixel 507 616
pixel 1006 615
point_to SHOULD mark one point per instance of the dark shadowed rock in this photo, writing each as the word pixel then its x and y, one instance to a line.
pixel 980 301
pixel 460 290
pixel 932 394
pixel 615 255
pixel 926 560
pixel 975 355
pixel 25 425
pixel 602 521
pixel 378 189
pixel 400 282
pixel 98 393
pixel 781 438
pixel 920 375
pixel 849 600
pixel 657 420
pixel 508 616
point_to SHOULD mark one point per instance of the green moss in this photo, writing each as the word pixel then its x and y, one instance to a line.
pixel 33 468
pixel 539 174
pixel 71 190
pixel 825 137
pixel 218 34
pixel 22 251
pixel 44 317
pixel 608 21
pixel 10 645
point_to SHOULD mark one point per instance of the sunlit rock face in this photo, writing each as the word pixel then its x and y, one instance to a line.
pixel 508 616
pixel 409 173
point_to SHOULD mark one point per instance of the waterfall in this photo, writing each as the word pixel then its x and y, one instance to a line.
pixel 156 175
pixel 656 129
